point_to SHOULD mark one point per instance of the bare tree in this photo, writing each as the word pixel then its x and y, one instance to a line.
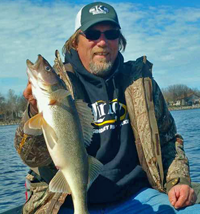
pixel 196 91
pixel 174 92
pixel 12 106
pixel 2 106
pixel 2 101
pixel 21 105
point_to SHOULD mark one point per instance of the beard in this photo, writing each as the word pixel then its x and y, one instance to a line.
pixel 101 69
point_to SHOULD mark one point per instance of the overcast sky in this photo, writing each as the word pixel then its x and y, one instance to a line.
pixel 168 33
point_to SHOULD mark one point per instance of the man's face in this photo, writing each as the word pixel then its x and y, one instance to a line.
pixel 98 56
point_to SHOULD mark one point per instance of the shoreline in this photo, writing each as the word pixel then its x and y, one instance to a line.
pixel 14 122
pixel 177 108
pixel 171 108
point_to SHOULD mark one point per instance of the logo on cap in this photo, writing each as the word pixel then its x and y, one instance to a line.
pixel 99 9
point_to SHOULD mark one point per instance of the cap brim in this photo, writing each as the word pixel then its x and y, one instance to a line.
pixel 93 22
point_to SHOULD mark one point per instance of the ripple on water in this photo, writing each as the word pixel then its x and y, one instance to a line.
pixel 13 171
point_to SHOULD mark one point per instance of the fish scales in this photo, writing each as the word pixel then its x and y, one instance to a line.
pixel 61 125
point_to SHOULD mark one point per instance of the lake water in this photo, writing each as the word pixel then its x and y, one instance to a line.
pixel 188 125
pixel 13 171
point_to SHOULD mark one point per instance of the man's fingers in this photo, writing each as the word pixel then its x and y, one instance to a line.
pixel 182 201
pixel 185 196
pixel 172 196
pixel 28 91
pixel 29 97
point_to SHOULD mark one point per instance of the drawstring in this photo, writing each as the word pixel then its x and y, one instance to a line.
pixel 116 91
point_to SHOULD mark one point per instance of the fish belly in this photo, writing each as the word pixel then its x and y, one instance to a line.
pixel 69 153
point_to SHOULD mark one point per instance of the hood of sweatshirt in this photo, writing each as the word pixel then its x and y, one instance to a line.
pixel 94 85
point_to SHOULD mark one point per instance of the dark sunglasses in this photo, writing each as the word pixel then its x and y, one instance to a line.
pixel 96 34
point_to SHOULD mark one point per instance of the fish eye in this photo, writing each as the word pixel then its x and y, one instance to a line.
pixel 47 68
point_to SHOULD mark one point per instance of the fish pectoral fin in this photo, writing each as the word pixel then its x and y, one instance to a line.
pixel 95 167
pixel 49 134
pixel 59 94
pixel 59 183
pixel 34 125
pixel 52 102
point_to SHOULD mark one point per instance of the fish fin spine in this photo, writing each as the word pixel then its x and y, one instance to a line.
pixel 86 120
pixel 59 184
pixel 34 125
pixel 95 168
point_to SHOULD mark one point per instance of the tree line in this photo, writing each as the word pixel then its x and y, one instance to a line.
pixel 11 106
pixel 174 92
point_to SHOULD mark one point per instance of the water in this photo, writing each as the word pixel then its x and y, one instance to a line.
pixel 13 171
pixel 188 125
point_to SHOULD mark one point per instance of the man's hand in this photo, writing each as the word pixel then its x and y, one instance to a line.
pixel 182 195
pixel 29 97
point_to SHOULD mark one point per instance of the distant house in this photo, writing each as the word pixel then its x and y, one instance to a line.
pixel 187 100
pixel 1 115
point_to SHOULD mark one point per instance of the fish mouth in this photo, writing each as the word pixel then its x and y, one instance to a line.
pixel 33 66
pixel 32 73
pixel 32 70
pixel 29 63
pixel 39 78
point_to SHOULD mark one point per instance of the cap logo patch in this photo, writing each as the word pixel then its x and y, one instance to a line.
pixel 99 9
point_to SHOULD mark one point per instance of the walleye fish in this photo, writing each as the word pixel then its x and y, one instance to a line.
pixel 66 126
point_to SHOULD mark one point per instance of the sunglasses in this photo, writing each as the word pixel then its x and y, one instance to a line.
pixel 96 34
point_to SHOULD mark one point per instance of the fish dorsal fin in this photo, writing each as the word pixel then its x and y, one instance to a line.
pixel 95 167
pixel 58 95
pixel 86 118
pixel 49 134
pixel 61 71
pixel 33 125
pixel 59 183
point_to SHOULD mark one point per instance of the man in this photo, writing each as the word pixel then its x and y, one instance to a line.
pixel 134 133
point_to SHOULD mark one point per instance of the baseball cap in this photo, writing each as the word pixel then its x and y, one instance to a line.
pixel 94 13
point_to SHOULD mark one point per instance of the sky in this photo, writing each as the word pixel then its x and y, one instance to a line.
pixel 166 31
